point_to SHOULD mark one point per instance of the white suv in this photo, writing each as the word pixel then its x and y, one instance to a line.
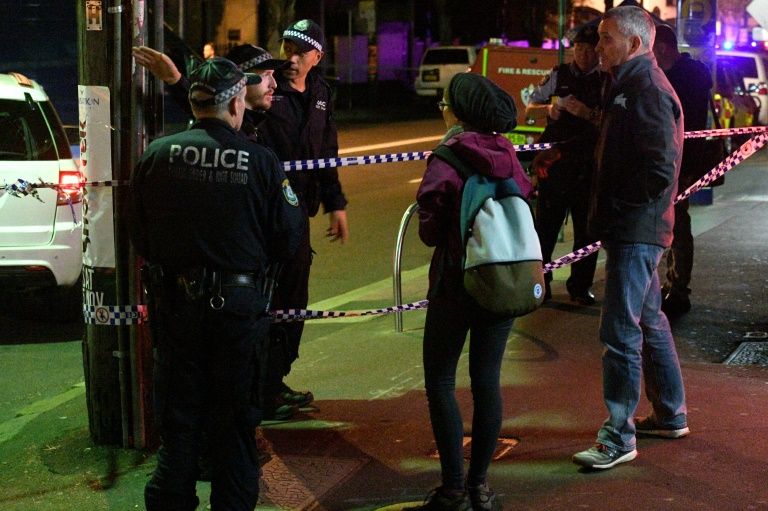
pixel 439 65
pixel 749 72
pixel 40 240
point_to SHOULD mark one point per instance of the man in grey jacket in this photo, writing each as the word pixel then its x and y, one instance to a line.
pixel 638 161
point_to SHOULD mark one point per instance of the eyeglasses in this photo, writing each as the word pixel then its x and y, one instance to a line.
pixel 442 105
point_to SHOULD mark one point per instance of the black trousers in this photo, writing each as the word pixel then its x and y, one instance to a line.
pixel 206 366
pixel 561 192
pixel 292 292
pixel 680 254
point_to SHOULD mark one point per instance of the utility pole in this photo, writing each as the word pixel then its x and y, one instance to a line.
pixel 104 31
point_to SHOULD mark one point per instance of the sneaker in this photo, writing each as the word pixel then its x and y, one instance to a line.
pixel 601 457
pixel 442 500
pixel 294 397
pixel 649 426
pixel 279 410
pixel 585 298
pixel 483 498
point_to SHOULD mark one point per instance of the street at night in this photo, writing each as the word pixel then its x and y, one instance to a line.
pixel 366 443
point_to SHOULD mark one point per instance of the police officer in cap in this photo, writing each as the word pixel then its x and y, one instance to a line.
pixel 210 211
pixel 300 126
pixel 571 93
pixel 248 58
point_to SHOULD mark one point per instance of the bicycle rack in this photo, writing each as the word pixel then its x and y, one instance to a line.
pixel 397 260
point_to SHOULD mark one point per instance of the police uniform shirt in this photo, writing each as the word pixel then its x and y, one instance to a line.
pixel 568 80
pixel 300 126
pixel 208 196
pixel 552 86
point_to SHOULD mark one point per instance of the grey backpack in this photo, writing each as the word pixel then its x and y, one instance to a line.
pixel 502 262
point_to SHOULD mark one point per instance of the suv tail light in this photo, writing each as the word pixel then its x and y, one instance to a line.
pixel 762 90
pixel 70 187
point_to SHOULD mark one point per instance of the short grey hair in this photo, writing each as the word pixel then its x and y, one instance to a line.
pixel 219 110
pixel 634 21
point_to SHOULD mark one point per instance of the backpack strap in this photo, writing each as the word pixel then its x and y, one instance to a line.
pixel 446 154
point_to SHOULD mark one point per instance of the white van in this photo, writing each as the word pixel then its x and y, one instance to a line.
pixel 749 71
pixel 438 65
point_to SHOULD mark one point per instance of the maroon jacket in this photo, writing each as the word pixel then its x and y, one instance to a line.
pixel 439 199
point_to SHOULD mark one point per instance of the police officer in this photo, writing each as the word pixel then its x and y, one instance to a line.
pixel 297 123
pixel 692 83
pixel 564 172
pixel 209 211
pixel 247 57
pixel 300 126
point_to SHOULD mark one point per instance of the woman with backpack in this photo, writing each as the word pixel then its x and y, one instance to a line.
pixel 475 111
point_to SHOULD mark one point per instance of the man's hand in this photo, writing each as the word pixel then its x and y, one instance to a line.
pixel 158 63
pixel 544 160
pixel 338 230
pixel 553 112
pixel 576 107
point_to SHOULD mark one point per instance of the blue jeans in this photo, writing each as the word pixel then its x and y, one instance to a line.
pixel 638 343
pixel 448 320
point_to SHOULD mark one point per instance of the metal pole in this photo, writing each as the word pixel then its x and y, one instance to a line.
pixel 349 57
pixel 99 342
pixel 560 31
pixel 119 12
pixel 180 31
pixel 397 260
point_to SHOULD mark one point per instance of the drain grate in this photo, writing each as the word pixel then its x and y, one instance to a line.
pixel 749 353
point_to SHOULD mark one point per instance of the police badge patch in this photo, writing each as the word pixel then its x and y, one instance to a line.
pixel 301 25
pixel 290 196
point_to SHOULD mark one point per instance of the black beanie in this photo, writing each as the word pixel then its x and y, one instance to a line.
pixel 481 104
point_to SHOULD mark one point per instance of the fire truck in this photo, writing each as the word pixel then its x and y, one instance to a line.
pixel 517 71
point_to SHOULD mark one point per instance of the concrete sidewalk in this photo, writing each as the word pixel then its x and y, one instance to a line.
pixel 366 444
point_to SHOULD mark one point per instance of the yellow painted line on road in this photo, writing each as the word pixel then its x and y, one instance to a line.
pixel 385 145
pixel 11 428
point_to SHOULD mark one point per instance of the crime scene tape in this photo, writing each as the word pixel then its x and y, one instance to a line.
pixel 746 150
pixel 128 315
pixel 726 132
pixel 112 315
pixel 21 187
pixel 283 316
pixel 348 161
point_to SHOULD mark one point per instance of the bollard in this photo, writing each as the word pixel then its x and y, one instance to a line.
pixel 397 259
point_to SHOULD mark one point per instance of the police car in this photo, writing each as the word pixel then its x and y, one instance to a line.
pixel 40 229
pixel 746 73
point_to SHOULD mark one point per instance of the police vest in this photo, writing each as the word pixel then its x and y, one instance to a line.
pixel 585 88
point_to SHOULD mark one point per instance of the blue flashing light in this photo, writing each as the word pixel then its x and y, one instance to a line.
pixel 728 45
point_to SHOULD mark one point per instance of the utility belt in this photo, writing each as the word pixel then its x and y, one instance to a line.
pixel 199 282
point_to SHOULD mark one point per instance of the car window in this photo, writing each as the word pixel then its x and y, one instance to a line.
pixel 59 135
pixel 446 56
pixel 726 81
pixel 737 67
pixel 24 133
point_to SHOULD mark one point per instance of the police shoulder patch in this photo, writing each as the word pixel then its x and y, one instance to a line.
pixel 290 196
